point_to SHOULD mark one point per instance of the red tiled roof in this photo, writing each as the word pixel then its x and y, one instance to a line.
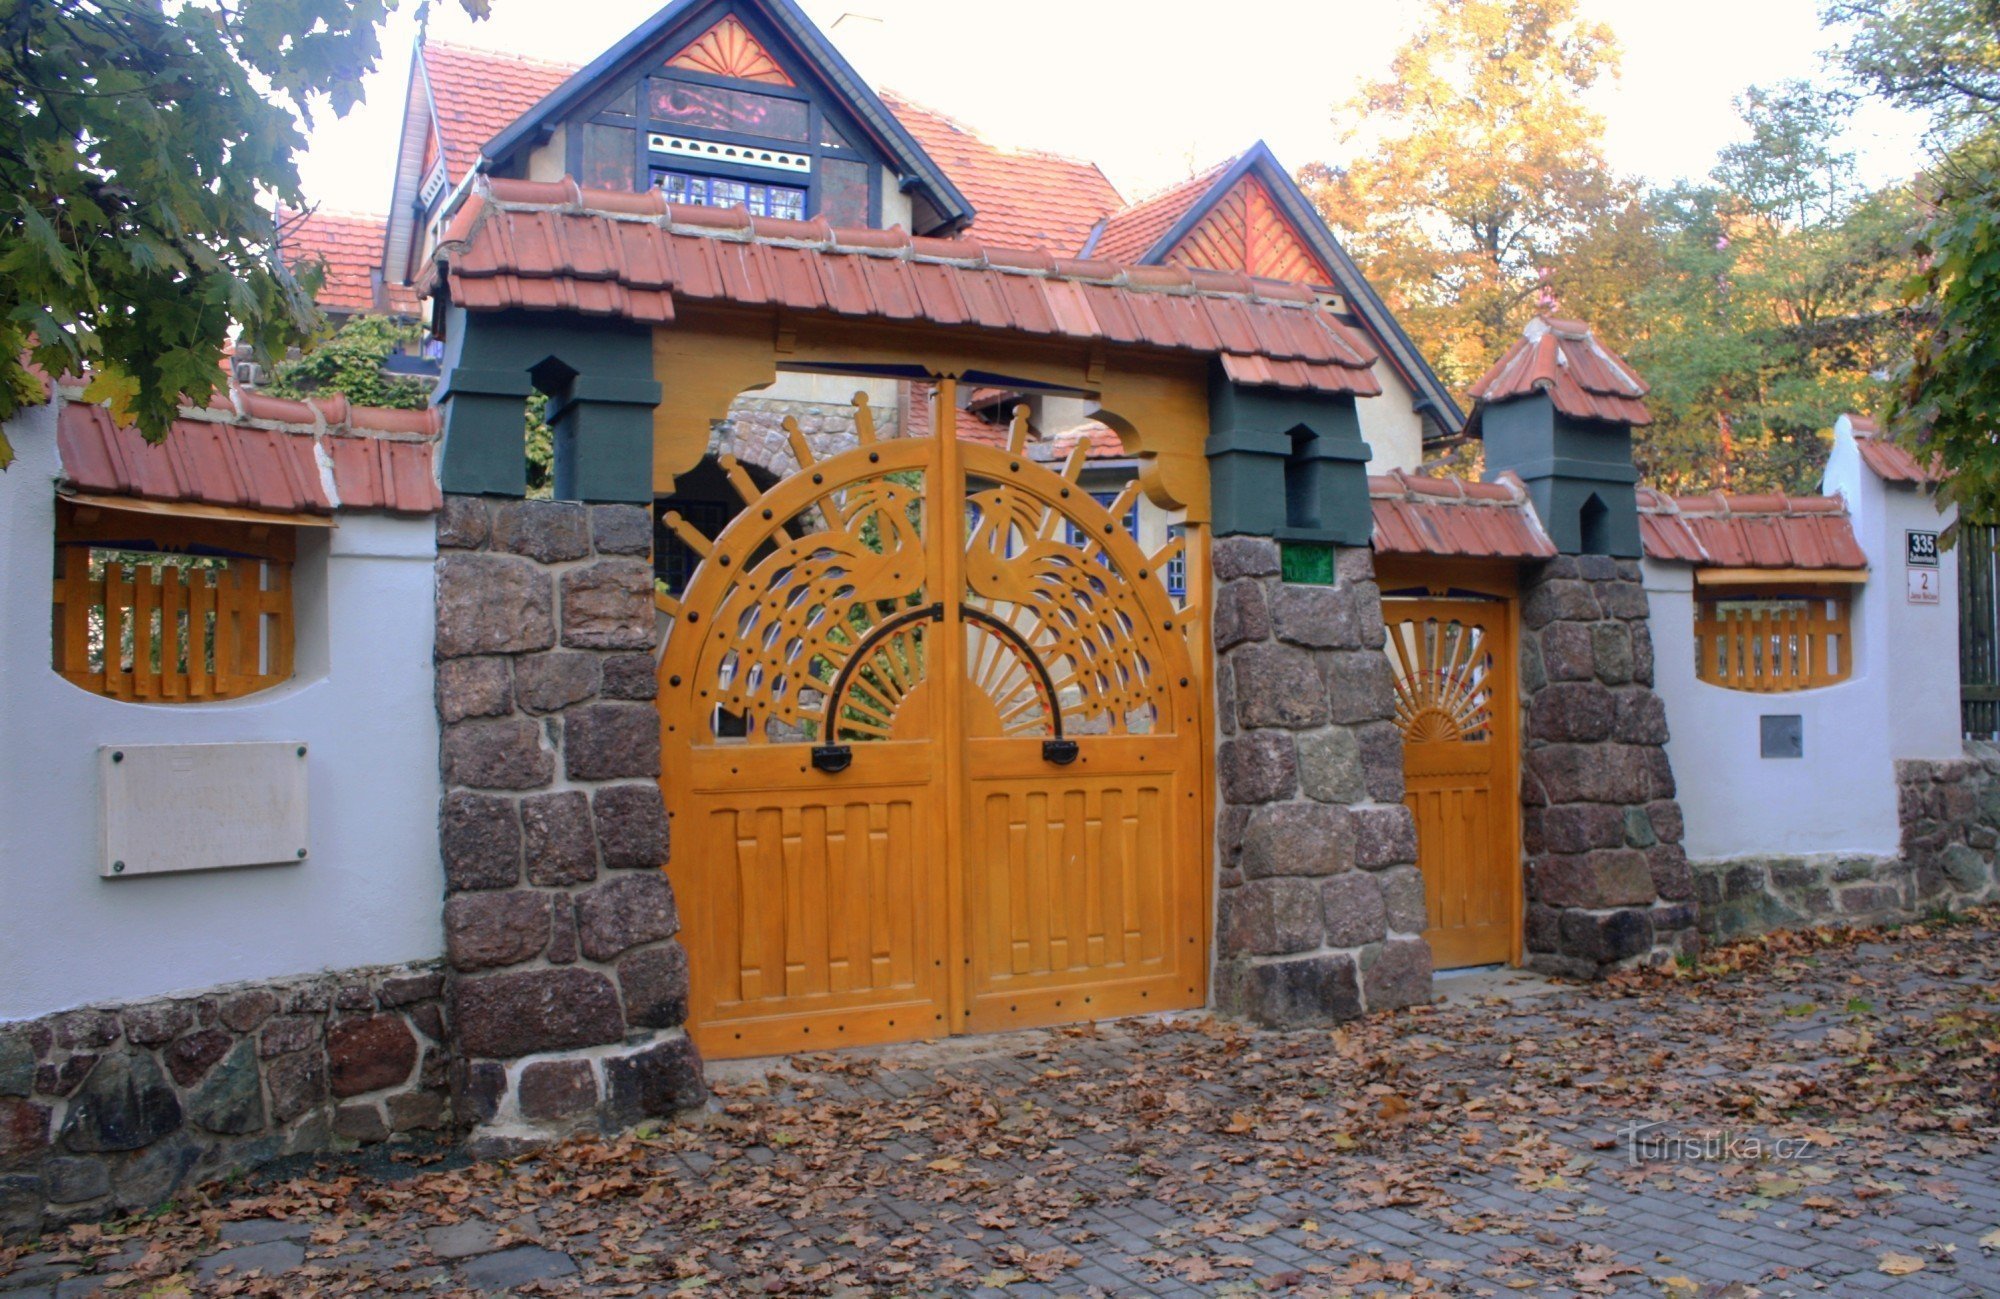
pixel 254 452
pixel 1761 531
pixel 1891 461
pixel 1416 515
pixel 1130 233
pixel 479 93
pixel 349 246
pixel 551 246
pixel 1582 377
pixel 1100 440
pixel 1022 198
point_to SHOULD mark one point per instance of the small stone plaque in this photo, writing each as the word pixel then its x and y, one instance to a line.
pixel 1784 735
pixel 190 807
pixel 1306 563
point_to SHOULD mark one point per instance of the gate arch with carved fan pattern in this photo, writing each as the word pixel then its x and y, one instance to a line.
pixel 933 754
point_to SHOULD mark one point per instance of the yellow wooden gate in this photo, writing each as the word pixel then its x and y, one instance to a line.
pixel 1456 705
pixel 933 755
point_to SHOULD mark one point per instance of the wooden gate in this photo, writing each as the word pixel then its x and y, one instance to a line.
pixel 1455 703
pixel 1978 549
pixel 933 754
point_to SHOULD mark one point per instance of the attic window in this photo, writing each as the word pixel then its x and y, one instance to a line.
pixel 1772 639
pixel 715 191
pixel 718 108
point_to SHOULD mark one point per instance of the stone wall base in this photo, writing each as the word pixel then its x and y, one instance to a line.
pixel 1950 814
pixel 515 1106
pixel 113 1108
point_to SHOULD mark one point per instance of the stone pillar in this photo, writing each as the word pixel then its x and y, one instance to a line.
pixel 1607 879
pixel 1321 908
pixel 566 985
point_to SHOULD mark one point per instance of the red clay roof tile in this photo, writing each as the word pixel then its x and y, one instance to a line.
pixel 1582 377
pixel 1021 197
pixel 1749 531
pixel 1892 461
pixel 513 249
pixel 1130 233
pixel 349 247
pixel 259 453
pixel 479 93
pixel 1417 515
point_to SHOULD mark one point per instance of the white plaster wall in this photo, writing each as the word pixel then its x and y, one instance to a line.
pixel 1839 798
pixel 1917 645
pixel 362 701
pixel 1391 427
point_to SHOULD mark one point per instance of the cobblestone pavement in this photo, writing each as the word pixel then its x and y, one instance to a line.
pixel 1470 1147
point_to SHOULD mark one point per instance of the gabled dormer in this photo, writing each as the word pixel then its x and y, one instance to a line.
pixel 734 103
pixel 1247 214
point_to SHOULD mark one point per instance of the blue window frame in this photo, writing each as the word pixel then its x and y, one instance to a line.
pixel 718 191
pixel 1107 500
pixel 1177 566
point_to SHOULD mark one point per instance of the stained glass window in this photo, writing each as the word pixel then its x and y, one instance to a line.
pixel 843 191
pixel 718 108
pixel 715 191
pixel 608 153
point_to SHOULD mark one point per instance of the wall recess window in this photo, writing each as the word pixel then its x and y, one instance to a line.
pixel 843 191
pixel 1770 640
pixel 161 609
pixel 608 155
pixel 716 191
pixel 718 108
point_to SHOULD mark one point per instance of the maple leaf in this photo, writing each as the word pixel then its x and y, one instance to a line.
pixel 1900 1264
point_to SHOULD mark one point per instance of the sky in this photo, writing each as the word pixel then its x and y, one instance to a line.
pixel 1154 91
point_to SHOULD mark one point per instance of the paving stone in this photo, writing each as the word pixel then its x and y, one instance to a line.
pixel 271 1258
pixel 462 1239
pixel 516 1266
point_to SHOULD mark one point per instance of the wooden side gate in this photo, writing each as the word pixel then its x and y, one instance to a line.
pixel 1456 703
pixel 1978 549
pixel 933 754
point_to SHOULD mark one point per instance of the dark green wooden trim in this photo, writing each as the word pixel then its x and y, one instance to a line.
pixel 1285 464
pixel 598 375
pixel 1566 464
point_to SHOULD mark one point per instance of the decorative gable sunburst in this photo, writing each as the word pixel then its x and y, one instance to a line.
pixel 729 50
pixel 1246 231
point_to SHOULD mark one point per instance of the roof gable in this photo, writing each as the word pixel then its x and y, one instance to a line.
pixel 795 48
pixel 1288 226
pixel 729 50
pixel 1245 230
pixel 477 94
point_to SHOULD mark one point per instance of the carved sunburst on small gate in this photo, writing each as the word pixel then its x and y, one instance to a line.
pixel 1441 669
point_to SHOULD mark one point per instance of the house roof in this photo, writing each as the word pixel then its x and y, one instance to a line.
pixel 781 26
pixel 1416 515
pixel 552 246
pixel 349 246
pixel 1130 233
pixel 480 93
pixel 249 451
pixel 1583 378
pixel 1195 223
pixel 1749 531
pixel 1023 198
pixel 1891 461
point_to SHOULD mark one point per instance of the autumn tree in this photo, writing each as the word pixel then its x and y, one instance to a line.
pixel 1942 57
pixel 143 144
pixel 1479 168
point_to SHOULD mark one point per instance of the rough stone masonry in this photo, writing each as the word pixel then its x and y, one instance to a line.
pixel 1321 909
pixel 567 987
pixel 1608 881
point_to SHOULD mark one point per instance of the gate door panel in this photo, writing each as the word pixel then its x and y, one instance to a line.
pixel 1083 864
pixel 932 755
pixel 1455 704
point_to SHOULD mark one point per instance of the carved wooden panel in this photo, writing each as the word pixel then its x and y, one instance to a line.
pixel 729 50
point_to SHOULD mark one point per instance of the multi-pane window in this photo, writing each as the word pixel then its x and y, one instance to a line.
pixel 1107 500
pixel 717 191
pixel 1177 566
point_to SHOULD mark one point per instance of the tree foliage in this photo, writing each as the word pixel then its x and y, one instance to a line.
pixel 350 362
pixel 1758 302
pixel 1943 57
pixel 1483 169
pixel 142 145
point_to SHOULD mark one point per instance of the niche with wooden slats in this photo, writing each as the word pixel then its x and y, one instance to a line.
pixel 171 610
pixel 1773 641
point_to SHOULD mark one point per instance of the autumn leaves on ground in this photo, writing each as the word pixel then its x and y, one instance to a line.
pixel 1475 1146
